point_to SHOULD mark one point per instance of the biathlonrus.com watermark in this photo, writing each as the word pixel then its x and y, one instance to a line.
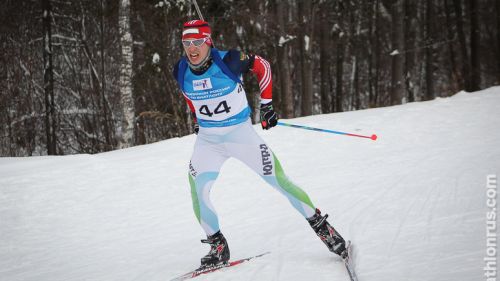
pixel 490 259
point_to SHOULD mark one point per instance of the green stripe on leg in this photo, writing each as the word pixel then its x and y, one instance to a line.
pixel 289 186
pixel 194 197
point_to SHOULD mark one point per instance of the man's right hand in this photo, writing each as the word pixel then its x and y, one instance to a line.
pixel 196 128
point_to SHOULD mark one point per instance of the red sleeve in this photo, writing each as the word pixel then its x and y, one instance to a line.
pixel 190 104
pixel 262 69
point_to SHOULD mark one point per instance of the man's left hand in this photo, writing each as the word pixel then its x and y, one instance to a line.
pixel 268 118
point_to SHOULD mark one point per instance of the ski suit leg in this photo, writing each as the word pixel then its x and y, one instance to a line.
pixel 247 146
pixel 206 161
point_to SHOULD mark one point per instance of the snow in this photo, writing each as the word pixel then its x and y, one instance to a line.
pixel 239 31
pixel 283 40
pixel 413 202
pixel 335 28
pixel 395 52
pixel 166 4
pixel 306 42
pixel 156 58
pixel 258 26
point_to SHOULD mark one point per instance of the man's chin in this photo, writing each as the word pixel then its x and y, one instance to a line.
pixel 194 62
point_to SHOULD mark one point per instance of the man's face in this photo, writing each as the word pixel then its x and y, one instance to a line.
pixel 196 54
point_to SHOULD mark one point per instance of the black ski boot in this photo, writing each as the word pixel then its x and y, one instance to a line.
pixel 219 251
pixel 328 234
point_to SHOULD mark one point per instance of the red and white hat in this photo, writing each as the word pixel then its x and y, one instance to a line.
pixel 197 29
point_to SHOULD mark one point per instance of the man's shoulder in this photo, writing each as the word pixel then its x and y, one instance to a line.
pixel 237 61
pixel 233 55
pixel 181 63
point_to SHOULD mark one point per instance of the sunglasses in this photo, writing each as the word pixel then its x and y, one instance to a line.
pixel 195 42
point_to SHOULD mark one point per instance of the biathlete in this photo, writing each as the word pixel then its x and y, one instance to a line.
pixel 211 82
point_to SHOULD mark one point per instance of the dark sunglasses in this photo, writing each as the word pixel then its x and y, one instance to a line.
pixel 195 42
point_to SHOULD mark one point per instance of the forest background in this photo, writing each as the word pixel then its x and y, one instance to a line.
pixel 91 76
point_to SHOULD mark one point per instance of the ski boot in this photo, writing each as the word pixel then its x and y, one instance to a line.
pixel 328 234
pixel 219 251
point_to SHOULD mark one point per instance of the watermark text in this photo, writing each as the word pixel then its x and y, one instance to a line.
pixel 490 259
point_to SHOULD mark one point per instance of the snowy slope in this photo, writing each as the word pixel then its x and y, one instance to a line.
pixel 413 202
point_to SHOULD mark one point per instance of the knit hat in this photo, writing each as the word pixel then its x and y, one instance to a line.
pixel 197 29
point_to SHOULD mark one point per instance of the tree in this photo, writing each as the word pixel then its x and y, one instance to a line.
pixel 283 62
pixel 475 45
pixel 104 103
pixel 450 35
pixel 48 79
pixel 306 19
pixel 324 61
pixel 397 43
pixel 126 73
pixel 374 55
pixel 339 64
pixel 429 51
pixel 497 4
pixel 457 4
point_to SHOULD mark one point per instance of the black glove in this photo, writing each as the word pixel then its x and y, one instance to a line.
pixel 196 127
pixel 268 118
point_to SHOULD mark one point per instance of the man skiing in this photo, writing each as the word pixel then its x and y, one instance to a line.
pixel 211 82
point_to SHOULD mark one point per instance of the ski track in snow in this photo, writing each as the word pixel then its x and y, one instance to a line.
pixel 413 202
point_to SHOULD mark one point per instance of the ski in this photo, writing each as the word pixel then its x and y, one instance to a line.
pixel 349 262
pixel 198 272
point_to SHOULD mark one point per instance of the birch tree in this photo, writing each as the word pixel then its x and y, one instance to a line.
pixel 126 74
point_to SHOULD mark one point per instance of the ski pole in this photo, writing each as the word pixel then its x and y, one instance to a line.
pixel 372 137
pixel 198 10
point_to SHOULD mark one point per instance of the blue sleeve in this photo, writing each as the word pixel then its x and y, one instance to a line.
pixel 178 72
pixel 238 62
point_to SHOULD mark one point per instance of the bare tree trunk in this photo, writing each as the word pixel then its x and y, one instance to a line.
pixel 107 131
pixel 409 61
pixel 397 80
pixel 339 95
pixel 48 79
pixel 420 51
pixel 324 59
pixel 10 134
pixel 450 35
pixel 355 30
pixel 498 41
pixel 429 51
pixel 463 45
pixel 497 4
pixel 475 38
pixel 374 55
pixel 284 64
pixel 126 73
pixel 339 64
pixel 305 18
pixel 355 85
